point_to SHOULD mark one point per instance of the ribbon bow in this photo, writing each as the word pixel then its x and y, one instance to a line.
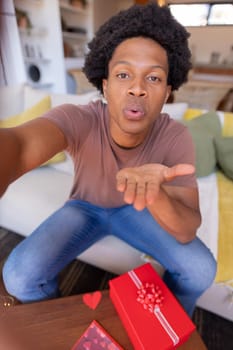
pixel 150 296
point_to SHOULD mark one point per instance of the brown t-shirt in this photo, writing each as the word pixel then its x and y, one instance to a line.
pixel 97 158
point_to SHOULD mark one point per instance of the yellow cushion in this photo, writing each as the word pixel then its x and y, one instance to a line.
pixel 31 113
pixel 191 113
pixel 227 129
pixel 225 246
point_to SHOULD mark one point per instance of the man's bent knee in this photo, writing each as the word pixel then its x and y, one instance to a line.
pixel 14 281
pixel 203 273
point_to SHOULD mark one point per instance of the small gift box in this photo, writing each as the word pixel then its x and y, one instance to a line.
pixel 151 315
pixel 96 338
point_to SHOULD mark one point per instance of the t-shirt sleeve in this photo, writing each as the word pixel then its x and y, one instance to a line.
pixel 75 121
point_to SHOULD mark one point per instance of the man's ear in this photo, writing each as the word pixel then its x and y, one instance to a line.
pixel 104 86
pixel 168 93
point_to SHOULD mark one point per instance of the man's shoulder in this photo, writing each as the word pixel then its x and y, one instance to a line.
pixel 72 111
pixel 167 124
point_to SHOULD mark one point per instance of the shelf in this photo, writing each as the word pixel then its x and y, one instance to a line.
pixel 37 60
pixel 213 68
pixel 33 31
pixel 74 36
pixel 42 44
pixel 40 85
pixel 66 7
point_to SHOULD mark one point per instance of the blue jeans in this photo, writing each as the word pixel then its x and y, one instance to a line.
pixel 31 270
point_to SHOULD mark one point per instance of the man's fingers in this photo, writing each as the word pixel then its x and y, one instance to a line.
pixel 134 192
pixel 121 183
pixel 130 192
pixel 178 170
pixel 151 193
pixel 140 198
pixel 145 195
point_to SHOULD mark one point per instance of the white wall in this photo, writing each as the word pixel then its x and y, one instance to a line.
pixel 205 40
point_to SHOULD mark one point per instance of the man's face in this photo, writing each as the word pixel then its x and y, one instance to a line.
pixel 136 89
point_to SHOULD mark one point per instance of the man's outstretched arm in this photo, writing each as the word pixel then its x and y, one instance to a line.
pixel 27 146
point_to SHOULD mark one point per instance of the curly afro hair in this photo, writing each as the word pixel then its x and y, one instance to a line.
pixel 151 21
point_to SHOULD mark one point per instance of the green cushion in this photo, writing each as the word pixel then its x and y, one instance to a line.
pixel 203 130
pixel 224 153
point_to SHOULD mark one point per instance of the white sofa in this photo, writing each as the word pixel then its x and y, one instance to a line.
pixel 37 194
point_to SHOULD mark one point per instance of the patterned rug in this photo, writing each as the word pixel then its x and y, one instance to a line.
pixel 79 277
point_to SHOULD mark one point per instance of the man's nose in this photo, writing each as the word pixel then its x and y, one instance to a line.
pixel 137 89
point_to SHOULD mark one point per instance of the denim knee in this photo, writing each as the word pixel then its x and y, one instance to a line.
pixel 18 281
pixel 202 273
pixel 13 280
pixel 22 286
pixel 207 272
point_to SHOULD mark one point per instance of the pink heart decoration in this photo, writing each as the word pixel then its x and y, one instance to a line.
pixel 92 300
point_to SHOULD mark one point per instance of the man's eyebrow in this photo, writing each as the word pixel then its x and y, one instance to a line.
pixel 154 66
pixel 121 62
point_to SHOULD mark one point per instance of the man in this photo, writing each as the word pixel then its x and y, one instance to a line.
pixel 134 167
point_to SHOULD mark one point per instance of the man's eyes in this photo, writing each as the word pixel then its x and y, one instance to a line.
pixel 153 78
pixel 122 75
pixel 150 78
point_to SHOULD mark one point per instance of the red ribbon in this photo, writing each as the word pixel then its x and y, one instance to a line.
pixel 150 296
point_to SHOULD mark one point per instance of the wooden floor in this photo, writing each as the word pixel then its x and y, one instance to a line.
pixel 79 277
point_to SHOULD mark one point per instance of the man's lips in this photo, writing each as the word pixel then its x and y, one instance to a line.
pixel 134 112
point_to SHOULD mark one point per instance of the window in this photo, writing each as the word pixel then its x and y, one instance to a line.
pixel 202 14
pixel 221 14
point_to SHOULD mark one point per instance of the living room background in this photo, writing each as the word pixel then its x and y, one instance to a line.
pixel 49 44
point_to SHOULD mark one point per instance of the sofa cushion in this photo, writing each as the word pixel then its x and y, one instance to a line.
pixel 191 113
pixel 227 129
pixel 224 153
pixel 33 197
pixel 11 100
pixel 31 113
pixel 203 130
pixel 175 110
pixel 58 99
pixel 32 96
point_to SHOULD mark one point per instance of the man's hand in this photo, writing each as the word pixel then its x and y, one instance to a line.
pixel 141 185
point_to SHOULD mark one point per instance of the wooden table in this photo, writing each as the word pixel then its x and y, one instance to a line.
pixel 58 323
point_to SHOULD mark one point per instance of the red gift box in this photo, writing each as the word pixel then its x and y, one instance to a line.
pixel 151 315
pixel 96 338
